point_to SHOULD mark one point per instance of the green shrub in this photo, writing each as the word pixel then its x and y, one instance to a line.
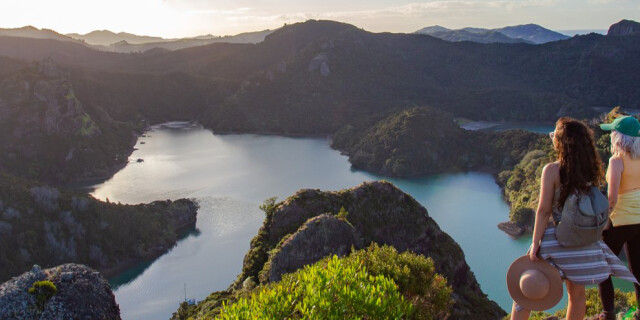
pixel 376 283
pixel 414 275
pixel 43 291
pixel 343 214
pixel 522 216
pixel 335 290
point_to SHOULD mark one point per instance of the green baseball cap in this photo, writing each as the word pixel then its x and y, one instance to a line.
pixel 627 125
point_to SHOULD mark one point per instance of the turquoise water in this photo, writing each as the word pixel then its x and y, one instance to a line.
pixel 230 175
pixel 538 127
pixel 541 127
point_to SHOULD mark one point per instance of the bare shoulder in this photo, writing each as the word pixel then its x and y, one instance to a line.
pixel 551 168
pixel 551 173
pixel 616 163
pixel 615 160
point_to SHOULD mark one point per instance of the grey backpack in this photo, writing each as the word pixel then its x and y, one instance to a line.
pixel 584 216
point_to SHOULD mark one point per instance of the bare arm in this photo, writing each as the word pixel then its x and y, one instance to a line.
pixel 550 174
pixel 614 174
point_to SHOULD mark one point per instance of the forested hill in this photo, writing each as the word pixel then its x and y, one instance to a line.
pixel 317 76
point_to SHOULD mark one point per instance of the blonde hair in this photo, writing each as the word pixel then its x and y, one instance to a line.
pixel 622 144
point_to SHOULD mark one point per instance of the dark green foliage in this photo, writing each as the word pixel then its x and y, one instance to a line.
pixel 522 185
pixel 375 73
pixel 47 134
pixel 207 308
pixel 503 150
pixel 258 253
pixel 424 140
pixel 416 279
pixel 42 291
pixel 82 229
pixel 340 288
pixel 270 87
pixel 409 142
pixel 335 289
pixel 523 216
pixel 182 313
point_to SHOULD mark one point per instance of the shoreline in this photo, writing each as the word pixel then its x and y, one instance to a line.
pixel 110 272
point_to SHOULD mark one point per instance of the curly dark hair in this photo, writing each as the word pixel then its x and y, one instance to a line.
pixel 580 164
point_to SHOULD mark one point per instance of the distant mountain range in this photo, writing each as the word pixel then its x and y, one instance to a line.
pixel 105 40
pixel 316 77
pixel 35 33
pixel 127 42
pixel 526 33
pixel 575 32
pixel 106 37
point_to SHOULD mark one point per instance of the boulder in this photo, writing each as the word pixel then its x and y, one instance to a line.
pixel 82 293
pixel 319 237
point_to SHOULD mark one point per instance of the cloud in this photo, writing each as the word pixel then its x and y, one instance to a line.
pixel 607 1
pixel 411 10
pixel 235 11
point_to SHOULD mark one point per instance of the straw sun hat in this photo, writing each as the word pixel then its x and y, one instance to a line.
pixel 534 285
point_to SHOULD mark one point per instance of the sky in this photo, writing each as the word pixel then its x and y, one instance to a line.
pixel 183 18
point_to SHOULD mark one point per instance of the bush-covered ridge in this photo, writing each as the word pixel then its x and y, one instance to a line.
pixel 423 140
pixel 47 226
pixel 376 283
pixel 318 76
pixel 48 134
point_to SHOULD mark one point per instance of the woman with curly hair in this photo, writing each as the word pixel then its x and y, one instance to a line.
pixel 578 167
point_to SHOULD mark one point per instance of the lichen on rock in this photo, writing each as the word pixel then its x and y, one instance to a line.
pixel 319 237
pixel 81 293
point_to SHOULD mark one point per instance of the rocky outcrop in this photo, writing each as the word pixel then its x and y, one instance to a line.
pixel 47 133
pixel 380 213
pixel 319 237
pixel 320 63
pixel 511 228
pixel 624 28
pixel 82 293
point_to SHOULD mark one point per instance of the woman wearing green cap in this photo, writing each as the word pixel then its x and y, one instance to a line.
pixel 623 177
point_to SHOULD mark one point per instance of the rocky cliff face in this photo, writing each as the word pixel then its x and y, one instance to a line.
pixel 624 28
pixel 46 133
pixel 81 293
pixel 319 237
pixel 378 212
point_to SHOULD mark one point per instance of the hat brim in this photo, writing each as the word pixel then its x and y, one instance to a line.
pixel 607 127
pixel 523 264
